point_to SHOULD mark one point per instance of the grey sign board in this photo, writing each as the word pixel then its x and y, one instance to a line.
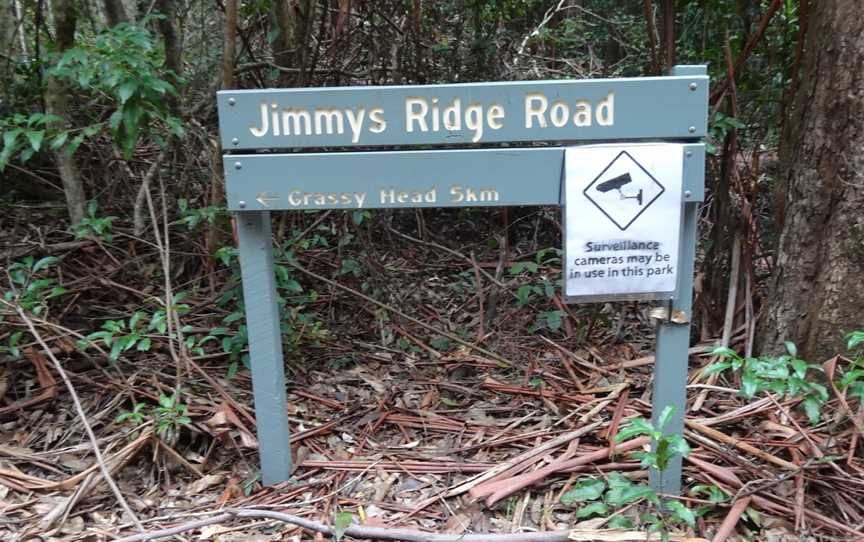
pixel 470 113
pixel 644 109
pixel 370 180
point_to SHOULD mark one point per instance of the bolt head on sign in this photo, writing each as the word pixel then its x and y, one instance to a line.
pixel 622 215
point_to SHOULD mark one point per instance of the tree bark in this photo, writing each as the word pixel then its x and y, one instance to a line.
pixel 667 34
pixel 173 49
pixel 816 292
pixel 56 103
pixel 8 22
pixel 115 12
pixel 291 45
pixel 229 50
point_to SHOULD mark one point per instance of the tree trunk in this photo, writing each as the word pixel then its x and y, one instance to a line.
pixel 8 22
pixel 115 12
pixel 173 49
pixel 817 291
pixel 56 103
pixel 667 34
pixel 229 49
pixel 291 45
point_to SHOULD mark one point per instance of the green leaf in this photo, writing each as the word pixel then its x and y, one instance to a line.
pixel 35 138
pixel 681 512
pixel 116 350
pixel 586 489
pixel 523 294
pixel 715 494
pixel 850 377
pixel 855 338
pixel 358 216
pixel 857 390
pixel 56 291
pixel 813 409
pixel 749 384
pixel 292 286
pixel 126 90
pixel 800 367
pixel 724 351
pixel 618 480
pixel 791 348
pixel 92 130
pixel 592 509
pixel 114 120
pixel 440 343
pixel 133 322
pixel 620 522
pixel 677 445
pixel 520 267
pixel 45 262
pixel 341 524
pixel 717 367
pixel 636 427
pixel 10 137
pixel 665 416
pixel 553 320
pixel 144 344
pixel 59 140
pixel 619 496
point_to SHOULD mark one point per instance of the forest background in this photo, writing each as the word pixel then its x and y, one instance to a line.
pixel 119 256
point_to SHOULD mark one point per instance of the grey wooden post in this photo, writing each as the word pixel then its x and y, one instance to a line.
pixel 265 344
pixel 673 339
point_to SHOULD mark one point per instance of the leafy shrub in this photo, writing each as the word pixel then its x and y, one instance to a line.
pixel 786 375
pixel 124 63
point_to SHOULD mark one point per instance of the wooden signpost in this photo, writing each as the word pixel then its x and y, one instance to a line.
pixel 630 206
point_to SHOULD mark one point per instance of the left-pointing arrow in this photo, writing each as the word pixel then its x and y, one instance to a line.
pixel 264 198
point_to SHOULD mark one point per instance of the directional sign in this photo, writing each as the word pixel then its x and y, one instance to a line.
pixel 626 235
pixel 565 110
pixel 266 198
pixel 375 180
pixel 623 217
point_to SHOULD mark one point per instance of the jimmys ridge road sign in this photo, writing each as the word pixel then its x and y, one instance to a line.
pixel 647 193
pixel 570 110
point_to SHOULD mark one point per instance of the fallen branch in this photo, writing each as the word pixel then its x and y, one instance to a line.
pixel 765 503
pixel 731 519
pixel 504 488
pixel 521 458
pixel 741 445
pixel 354 531
pixel 80 411
pixel 407 535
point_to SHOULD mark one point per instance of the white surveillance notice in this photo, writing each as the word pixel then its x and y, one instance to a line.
pixel 622 215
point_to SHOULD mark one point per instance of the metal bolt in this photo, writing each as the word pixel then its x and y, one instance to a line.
pixel 692 129
pixel 238 165
pixel 687 194
pixel 235 141
pixel 693 86
pixel 241 204
pixel 689 154
pixel 231 101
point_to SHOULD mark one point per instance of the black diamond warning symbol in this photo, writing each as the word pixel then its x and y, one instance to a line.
pixel 623 190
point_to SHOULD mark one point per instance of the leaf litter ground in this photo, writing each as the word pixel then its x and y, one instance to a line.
pixel 394 425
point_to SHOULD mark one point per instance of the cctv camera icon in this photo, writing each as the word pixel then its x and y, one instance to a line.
pixel 617 183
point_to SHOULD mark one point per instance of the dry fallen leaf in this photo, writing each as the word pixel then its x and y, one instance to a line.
pixel 203 484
